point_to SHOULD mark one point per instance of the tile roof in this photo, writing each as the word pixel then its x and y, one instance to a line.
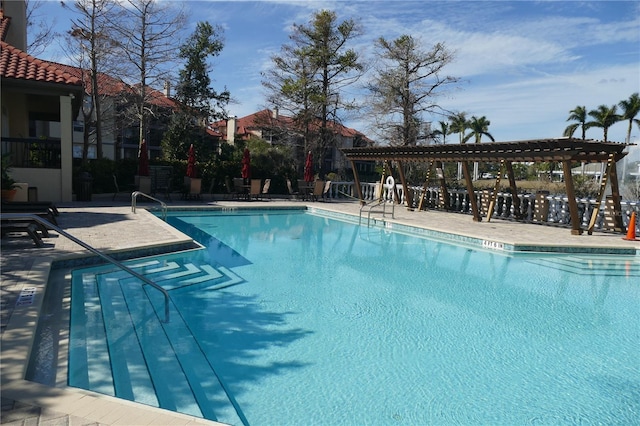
pixel 5 21
pixel 19 65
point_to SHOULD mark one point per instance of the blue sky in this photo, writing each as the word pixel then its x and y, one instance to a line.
pixel 522 64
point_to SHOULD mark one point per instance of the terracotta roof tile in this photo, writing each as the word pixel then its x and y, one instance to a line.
pixel 16 64
pixel 5 21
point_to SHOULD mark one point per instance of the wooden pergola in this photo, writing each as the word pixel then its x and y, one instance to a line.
pixel 563 150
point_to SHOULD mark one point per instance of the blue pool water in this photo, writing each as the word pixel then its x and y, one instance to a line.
pixel 295 318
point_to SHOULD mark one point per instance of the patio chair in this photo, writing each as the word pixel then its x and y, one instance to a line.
pixel 255 188
pixel 326 191
pixel 265 188
pixel 239 188
pixel 305 189
pixel 162 181
pixel 293 194
pixel 318 190
pixel 231 191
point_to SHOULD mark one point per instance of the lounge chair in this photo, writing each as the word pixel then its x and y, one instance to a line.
pixel 43 209
pixel 18 227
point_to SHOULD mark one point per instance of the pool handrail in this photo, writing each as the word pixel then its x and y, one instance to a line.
pixel 95 251
pixel 134 197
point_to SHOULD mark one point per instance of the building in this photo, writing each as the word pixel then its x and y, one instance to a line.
pixel 277 129
pixel 39 103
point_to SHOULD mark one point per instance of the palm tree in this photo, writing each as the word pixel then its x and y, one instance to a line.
pixel 459 124
pixel 604 117
pixel 579 114
pixel 479 127
pixel 630 108
pixel 442 132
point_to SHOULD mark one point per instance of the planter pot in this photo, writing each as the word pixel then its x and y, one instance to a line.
pixel 143 184
pixel 8 194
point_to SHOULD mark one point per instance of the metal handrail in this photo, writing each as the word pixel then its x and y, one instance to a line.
pixel 134 197
pixel 109 259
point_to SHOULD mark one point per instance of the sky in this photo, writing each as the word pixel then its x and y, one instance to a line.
pixel 524 65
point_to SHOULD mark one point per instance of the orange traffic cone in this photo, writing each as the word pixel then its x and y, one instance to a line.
pixel 631 230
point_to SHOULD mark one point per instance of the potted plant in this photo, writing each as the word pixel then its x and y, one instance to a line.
pixel 8 183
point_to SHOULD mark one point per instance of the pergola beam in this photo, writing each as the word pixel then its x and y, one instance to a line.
pixel 562 150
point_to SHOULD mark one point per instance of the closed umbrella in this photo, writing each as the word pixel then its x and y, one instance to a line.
pixel 308 168
pixel 246 165
pixel 191 162
pixel 143 159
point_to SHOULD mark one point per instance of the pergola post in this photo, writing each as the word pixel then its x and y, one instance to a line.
pixel 514 190
pixel 618 225
pixel 356 179
pixel 494 195
pixel 571 195
pixel 425 187
pixel 472 195
pixel 443 185
pixel 405 188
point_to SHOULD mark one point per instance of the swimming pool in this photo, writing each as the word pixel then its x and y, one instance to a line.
pixel 298 318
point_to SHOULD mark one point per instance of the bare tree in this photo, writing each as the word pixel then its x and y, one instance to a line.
pixel 406 83
pixel 39 28
pixel 91 45
pixel 149 39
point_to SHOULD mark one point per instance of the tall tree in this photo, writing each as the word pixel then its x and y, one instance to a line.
pixel 291 89
pixel 459 124
pixel 630 108
pixel 579 115
pixel 406 82
pixel 92 46
pixel 442 132
pixel 199 102
pixel 604 117
pixel 149 41
pixel 479 127
pixel 317 66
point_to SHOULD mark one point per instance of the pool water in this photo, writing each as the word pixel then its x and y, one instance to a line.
pixel 297 318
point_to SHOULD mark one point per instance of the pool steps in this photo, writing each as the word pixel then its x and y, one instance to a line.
pixel 124 323
pixel 590 266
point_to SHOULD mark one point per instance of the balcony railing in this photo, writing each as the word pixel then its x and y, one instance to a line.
pixel 32 152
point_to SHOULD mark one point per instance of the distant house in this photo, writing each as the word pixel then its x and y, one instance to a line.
pixel 39 103
pixel 278 129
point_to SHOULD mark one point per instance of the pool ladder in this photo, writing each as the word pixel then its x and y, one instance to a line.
pixel 134 198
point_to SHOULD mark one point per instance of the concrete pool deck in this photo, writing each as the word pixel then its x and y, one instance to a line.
pixel 112 227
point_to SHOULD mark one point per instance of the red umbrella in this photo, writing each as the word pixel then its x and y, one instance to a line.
pixel 308 168
pixel 143 159
pixel 191 163
pixel 246 164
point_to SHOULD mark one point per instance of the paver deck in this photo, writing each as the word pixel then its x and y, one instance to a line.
pixel 113 227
